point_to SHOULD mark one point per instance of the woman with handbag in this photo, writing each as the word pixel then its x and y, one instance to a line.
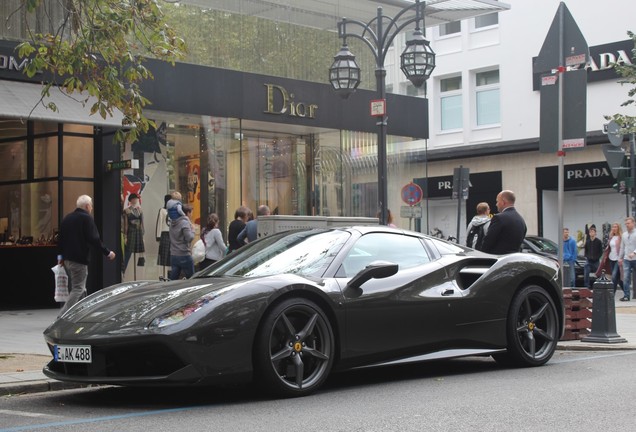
pixel 609 261
pixel 213 240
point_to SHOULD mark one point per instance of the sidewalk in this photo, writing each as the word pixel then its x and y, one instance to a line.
pixel 24 352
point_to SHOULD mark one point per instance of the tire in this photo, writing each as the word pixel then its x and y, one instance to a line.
pixel 294 349
pixel 532 329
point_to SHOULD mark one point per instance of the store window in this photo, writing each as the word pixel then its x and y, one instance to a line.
pixel 487 97
pixel 13 160
pixel 451 103
pixel 45 152
pixel 30 186
pixel 78 151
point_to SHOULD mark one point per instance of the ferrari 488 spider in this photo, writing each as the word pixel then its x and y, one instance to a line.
pixel 290 308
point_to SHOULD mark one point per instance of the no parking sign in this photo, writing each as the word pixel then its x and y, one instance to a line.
pixel 412 194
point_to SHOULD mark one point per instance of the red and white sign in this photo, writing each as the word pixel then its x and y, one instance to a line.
pixel 378 107
pixel 573 143
pixel 412 194
pixel 548 80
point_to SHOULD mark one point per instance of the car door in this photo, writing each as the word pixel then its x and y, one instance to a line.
pixel 398 315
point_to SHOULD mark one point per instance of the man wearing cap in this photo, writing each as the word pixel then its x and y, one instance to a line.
pixel 593 252
pixel 77 233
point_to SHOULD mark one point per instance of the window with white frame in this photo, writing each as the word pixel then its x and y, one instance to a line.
pixel 451 103
pixel 487 97
pixel 488 20
pixel 450 28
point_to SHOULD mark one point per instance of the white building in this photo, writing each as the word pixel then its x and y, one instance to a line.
pixel 484 114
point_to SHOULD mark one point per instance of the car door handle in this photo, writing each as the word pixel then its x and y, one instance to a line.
pixel 448 292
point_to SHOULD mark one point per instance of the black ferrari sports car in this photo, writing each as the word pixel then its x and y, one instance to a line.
pixel 290 308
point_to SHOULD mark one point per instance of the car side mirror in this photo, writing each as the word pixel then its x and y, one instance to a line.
pixel 375 270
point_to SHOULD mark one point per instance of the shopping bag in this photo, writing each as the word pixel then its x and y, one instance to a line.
pixel 198 251
pixel 61 283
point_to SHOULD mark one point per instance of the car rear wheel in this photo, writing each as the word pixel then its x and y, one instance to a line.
pixel 531 328
pixel 294 348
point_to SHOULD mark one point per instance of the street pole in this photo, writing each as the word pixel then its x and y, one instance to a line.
pixel 561 153
pixel 632 164
pixel 380 76
pixel 417 63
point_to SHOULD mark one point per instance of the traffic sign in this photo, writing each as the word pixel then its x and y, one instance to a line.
pixel 411 212
pixel 615 138
pixel 563 53
pixel 412 194
pixel 616 159
pixel 574 51
pixel 378 107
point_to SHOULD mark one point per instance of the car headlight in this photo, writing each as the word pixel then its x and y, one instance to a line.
pixel 177 315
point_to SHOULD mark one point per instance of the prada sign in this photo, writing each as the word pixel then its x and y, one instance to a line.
pixel 281 102
pixel 602 57
pixel 594 175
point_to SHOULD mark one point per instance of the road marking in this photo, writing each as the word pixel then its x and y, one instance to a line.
pixel 96 419
pixel 631 352
pixel 28 414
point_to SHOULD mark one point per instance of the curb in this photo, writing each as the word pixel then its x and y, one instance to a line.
pixel 38 386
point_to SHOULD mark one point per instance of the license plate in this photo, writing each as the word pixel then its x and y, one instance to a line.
pixel 72 353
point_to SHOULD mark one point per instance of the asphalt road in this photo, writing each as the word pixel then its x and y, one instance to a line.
pixel 577 390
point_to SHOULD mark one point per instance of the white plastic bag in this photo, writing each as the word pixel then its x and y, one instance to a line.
pixel 61 283
pixel 198 251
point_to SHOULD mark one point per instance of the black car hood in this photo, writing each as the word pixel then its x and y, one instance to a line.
pixel 139 305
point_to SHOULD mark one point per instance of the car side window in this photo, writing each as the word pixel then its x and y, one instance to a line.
pixel 404 250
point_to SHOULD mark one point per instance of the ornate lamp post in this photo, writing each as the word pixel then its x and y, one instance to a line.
pixel 417 63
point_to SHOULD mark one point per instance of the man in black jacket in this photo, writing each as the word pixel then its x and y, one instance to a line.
pixel 77 233
pixel 593 252
pixel 507 228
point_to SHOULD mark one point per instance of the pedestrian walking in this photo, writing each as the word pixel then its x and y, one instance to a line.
pixel 478 227
pixel 627 256
pixel 78 233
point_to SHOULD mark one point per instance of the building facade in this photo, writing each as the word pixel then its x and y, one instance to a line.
pixel 260 133
pixel 485 116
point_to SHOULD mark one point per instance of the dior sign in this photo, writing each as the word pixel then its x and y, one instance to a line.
pixel 286 103
pixel 9 62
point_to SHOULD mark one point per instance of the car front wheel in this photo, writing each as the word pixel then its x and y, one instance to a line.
pixel 294 349
pixel 532 329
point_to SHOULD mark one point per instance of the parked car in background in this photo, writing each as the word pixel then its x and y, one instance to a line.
pixel 548 248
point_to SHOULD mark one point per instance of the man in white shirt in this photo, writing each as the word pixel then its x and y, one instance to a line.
pixel 627 256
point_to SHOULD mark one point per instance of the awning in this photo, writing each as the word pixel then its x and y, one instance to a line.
pixel 23 101
pixel 326 14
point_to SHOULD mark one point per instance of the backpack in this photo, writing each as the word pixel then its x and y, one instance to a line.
pixel 475 237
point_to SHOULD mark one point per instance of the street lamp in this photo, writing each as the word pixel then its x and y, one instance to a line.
pixel 417 63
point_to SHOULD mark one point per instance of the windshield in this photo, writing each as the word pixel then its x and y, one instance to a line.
pixel 543 244
pixel 305 253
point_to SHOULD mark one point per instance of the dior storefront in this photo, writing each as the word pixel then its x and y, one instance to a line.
pixel 223 139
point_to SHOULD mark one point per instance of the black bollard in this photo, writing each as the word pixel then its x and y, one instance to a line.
pixel 603 313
